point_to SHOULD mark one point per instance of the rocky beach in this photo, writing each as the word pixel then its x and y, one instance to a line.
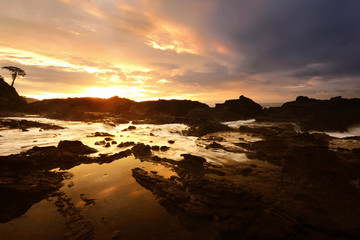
pixel 87 168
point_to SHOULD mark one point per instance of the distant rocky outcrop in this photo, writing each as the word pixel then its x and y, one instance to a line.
pixel 83 109
pixel 336 114
pixel 164 110
pixel 237 109
pixel 119 110
pixel 9 98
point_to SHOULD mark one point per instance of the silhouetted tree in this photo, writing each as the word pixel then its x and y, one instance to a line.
pixel 15 71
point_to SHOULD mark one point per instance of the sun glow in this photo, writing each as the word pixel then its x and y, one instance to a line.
pixel 122 91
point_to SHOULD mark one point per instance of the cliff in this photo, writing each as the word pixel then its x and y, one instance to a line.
pixel 9 98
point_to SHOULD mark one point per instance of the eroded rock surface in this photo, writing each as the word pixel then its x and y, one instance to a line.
pixel 296 187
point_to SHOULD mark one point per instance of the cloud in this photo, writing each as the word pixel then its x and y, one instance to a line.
pixel 266 49
pixel 291 35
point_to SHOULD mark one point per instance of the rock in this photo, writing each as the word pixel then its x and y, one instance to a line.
pixel 24 125
pixel 109 158
pixel 129 128
pixel 141 151
pixel 164 111
pixel 171 141
pixel 336 114
pixel 107 145
pixel 75 147
pixel 246 171
pixel 9 98
pixel 212 138
pixel 265 131
pixel 117 236
pixel 71 184
pixel 19 190
pixel 101 134
pixel 88 200
pixel 100 142
pixel 164 148
pixel 108 139
pixel 113 142
pixel 152 135
pixel 215 145
pixel 47 158
pixel 83 109
pixel 200 128
pixel 193 160
pixel 125 144
pixel 237 109
pixel 155 148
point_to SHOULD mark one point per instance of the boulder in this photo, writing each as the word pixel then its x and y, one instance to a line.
pixel 141 150
pixel 75 147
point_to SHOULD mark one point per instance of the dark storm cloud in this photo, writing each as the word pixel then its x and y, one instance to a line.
pixel 310 37
pixel 214 74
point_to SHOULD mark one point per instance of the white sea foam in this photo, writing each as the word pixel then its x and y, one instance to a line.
pixel 15 141
pixel 352 131
pixel 238 123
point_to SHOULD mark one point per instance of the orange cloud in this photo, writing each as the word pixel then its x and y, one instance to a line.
pixel 174 37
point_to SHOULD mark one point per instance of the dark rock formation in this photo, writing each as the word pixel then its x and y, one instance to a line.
pixel 115 110
pixel 336 114
pixel 25 124
pixel 73 106
pixel 215 145
pixel 129 128
pixel 162 108
pixel 88 200
pixel 125 144
pixel 200 127
pixel 141 151
pixel 155 148
pixel 75 147
pixel 164 148
pixel 100 142
pixel 237 109
pixel 301 189
pixel 9 98
pixel 20 190
pixel 67 155
pixel 101 134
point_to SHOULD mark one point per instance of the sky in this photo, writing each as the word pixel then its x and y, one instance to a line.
pixel 205 50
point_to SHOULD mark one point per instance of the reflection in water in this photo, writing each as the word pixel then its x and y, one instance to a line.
pixel 42 221
pixel 121 205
